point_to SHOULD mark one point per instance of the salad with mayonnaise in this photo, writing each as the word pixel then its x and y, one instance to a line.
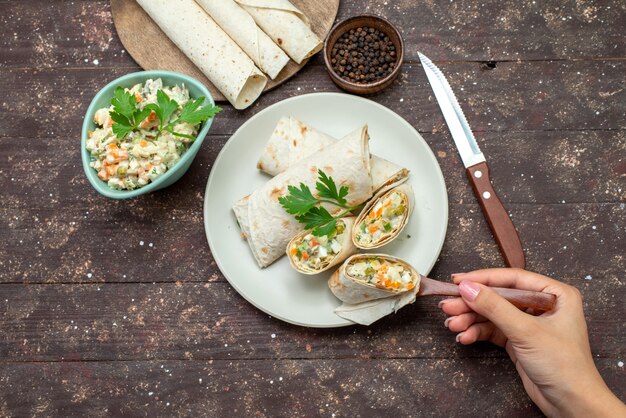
pixel 384 274
pixel 383 220
pixel 317 252
pixel 144 133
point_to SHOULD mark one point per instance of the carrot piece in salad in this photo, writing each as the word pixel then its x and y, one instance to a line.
pixel 151 118
pixel 111 169
pixel 103 174
pixel 138 97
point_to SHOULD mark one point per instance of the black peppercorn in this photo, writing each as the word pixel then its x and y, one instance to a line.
pixel 363 55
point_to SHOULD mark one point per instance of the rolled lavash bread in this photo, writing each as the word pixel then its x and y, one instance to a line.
pixel 405 191
pixel 193 31
pixel 293 140
pixel 344 239
pixel 242 29
pixel 355 290
pixel 286 25
pixel 266 225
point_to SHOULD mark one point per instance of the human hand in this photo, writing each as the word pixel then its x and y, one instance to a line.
pixel 551 351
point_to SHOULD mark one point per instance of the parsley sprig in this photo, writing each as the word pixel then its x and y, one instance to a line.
pixel 301 202
pixel 128 117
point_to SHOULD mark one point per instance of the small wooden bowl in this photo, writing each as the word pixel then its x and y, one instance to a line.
pixel 370 21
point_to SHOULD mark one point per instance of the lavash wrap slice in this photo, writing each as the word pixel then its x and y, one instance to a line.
pixel 193 31
pixel 367 313
pixel 293 140
pixel 406 191
pixel 286 25
pixel 242 29
pixel 266 225
pixel 352 290
pixel 345 240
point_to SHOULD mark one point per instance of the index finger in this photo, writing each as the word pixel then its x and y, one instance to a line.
pixel 511 278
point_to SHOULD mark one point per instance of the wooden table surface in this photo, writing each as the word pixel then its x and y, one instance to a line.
pixel 118 308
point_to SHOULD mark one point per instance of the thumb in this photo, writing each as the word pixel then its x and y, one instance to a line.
pixel 484 301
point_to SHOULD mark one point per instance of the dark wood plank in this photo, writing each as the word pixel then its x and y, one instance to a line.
pixel 206 320
pixel 527 167
pixel 65 245
pixel 296 388
pixel 579 95
pixel 58 33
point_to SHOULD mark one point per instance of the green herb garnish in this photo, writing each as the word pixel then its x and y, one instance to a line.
pixel 301 202
pixel 128 117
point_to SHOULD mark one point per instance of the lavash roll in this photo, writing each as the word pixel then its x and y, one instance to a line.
pixel 242 29
pixel 404 189
pixel 293 140
pixel 351 290
pixel 347 249
pixel 286 25
pixel 266 225
pixel 230 70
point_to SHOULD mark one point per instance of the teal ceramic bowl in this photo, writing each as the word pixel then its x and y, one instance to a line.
pixel 103 99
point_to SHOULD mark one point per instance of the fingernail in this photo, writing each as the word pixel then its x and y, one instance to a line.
pixel 453 275
pixel 443 302
pixel 447 321
pixel 458 337
pixel 469 290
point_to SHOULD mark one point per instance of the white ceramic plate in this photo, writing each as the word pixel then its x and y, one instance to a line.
pixel 278 290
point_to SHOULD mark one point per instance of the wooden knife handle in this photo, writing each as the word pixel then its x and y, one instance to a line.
pixel 499 221
pixel 540 301
pixel 527 298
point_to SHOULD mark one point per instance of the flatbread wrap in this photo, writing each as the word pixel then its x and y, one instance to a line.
pixel 384 217
pixel 198 36
pixel 367 277
pixel 241 27
pixel 266 225
pixel 286 25
pixel 293 140
pixel 310 254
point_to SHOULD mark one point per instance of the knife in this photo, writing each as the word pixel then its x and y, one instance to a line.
pixel 475 167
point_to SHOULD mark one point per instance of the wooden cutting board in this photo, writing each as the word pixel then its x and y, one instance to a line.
pixel 152 50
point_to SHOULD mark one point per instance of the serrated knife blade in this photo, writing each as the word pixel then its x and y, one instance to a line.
pixel 476 167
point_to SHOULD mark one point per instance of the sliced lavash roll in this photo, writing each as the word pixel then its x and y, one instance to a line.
pixel 286 25
pixel 193 31
pixel 343 239
pixel 266 225
pixel 352 289
pixel 362 237
pixel 242 29
pixel 293 140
